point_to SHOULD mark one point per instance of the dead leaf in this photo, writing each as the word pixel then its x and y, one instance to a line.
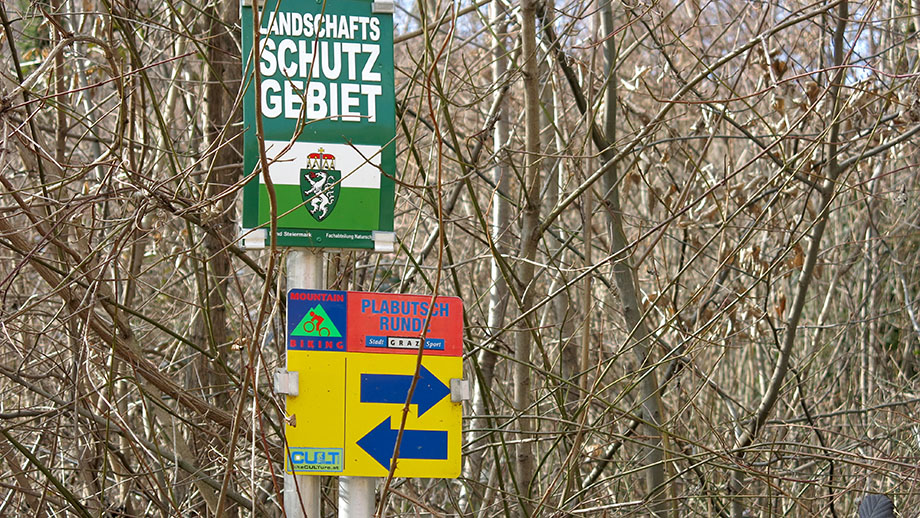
pixel 779 105
pixel 798 259
pixel 779 68
pixel 780 306
pixel 812 90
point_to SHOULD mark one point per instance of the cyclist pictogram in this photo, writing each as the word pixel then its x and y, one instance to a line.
pixel 316 322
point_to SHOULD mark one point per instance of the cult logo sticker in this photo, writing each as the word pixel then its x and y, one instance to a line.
pixel 320 184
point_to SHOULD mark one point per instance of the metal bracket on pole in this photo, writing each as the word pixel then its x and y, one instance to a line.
pixel 384 241
pixel 253 238
pixel 459 390
pixel 287 382
pixel 383 8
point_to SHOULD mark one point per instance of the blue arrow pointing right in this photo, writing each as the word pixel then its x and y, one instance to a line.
pixel 380 442
pixel 393 388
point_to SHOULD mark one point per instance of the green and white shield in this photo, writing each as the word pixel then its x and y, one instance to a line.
pixel 320 190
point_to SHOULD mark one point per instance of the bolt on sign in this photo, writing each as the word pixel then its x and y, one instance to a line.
pixel 327 106
pixel 355 354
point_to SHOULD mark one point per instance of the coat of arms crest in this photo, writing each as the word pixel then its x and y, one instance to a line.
pixel 319 184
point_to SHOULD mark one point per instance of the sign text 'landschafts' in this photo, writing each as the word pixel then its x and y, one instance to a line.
pixel 326 63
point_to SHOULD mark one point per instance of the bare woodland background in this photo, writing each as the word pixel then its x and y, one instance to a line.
pixel 686 234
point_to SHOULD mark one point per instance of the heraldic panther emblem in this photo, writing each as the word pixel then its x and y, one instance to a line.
pixel 319 184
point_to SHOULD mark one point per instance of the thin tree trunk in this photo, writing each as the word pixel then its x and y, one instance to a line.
pixel 211 330
pixel 530 216
pixel 626 282
pixel 500 235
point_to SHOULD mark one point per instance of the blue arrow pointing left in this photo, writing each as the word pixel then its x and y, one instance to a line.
pixel 393 388
pixel 380 442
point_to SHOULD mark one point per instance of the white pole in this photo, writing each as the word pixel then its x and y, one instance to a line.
pixel 302 493
pixel 357 497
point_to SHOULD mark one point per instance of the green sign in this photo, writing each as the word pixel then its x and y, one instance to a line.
pixel 327 106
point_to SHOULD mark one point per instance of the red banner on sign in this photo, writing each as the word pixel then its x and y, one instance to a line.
pixel 393 323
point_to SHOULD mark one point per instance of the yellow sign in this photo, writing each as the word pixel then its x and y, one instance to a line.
pixel 356 355
pixel 347 417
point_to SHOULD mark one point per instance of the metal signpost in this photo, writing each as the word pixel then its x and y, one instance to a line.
pixel 302 494
pixel 327 105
